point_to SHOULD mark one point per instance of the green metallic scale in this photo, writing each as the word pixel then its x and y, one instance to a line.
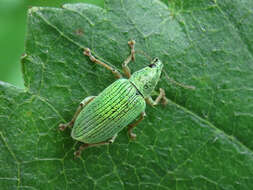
pixel 99 119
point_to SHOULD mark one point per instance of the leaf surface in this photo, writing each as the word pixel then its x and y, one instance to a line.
pixel 200 140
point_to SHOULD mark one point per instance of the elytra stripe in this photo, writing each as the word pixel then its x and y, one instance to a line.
pixel 91 117
pixel 89 122
pixel 109 100
pixel 125 115
pixel 105 121
pixel 97 117
pixel 117 115
pixel 114 126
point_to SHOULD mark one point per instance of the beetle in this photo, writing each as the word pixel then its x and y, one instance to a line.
pixel 99 119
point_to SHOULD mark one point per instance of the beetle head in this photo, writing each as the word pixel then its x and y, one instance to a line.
pixel 146 79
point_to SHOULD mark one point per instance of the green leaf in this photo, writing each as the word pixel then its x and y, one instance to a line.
pixel 200 140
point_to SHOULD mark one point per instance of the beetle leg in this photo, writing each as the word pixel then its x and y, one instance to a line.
pixel 83 103
pixel 160 97
pixel 131 126
pixel 111 140
pixel 85 145
pixel 131 57
pixel 87 52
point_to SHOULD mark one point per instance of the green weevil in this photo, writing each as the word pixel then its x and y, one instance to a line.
pixel 99 119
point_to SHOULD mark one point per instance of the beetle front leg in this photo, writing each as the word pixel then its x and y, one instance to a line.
pixel 160 97
pixel 131 57
pixel 116 73
pixel 131 126
pixel 85 145
pixel 87 100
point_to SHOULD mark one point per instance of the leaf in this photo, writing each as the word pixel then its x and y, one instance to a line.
pixel 201 140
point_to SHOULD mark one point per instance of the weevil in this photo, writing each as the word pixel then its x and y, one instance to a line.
pixel 99 119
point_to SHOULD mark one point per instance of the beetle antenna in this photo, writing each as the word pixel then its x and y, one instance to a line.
pixel 179 84
pixel 143 53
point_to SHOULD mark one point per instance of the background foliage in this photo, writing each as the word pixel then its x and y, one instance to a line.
pixel 201 140
pixel 12 34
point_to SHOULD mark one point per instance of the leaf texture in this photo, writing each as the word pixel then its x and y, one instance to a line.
pixel 201 140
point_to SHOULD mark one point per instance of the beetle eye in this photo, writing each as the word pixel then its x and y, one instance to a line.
pixel 156 59
pixel 152 65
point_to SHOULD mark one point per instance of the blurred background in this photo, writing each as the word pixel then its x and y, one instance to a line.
pixel 13 31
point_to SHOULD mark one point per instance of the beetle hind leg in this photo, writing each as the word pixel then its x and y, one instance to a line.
pixel 63 126
pixel 131 126
pixel 70 124
pixel 86 145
